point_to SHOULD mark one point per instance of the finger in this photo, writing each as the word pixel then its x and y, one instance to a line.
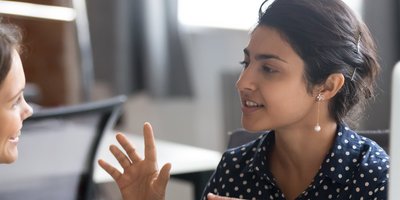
pixel 123 160
pixel 149 144
pixel 163 177
pixel 128 147
pixel 114 173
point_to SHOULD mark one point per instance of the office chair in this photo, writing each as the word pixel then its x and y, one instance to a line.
pixel 57 151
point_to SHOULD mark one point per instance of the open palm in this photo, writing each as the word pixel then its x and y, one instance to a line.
pixel 140 179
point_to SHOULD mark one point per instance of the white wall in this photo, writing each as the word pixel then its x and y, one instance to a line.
pixel 211 52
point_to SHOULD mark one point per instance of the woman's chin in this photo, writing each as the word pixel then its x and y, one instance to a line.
pixel 11 157
pixel 250 127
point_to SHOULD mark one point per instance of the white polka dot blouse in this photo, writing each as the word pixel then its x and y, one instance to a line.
pixel 355 168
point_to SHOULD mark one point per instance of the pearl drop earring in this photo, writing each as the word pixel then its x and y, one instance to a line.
pixel 317 127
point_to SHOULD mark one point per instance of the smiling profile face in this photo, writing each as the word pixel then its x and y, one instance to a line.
pixel 13 110
pixel 272 86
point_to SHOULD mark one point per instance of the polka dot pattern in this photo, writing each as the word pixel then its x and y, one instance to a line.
pixel 355 168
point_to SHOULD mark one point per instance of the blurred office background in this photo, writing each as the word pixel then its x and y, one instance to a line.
pixel 177 60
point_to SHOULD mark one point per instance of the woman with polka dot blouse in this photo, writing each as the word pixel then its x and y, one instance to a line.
pixel 308 64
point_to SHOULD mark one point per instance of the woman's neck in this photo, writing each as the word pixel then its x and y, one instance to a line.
pixel 297 156
pixel 301 147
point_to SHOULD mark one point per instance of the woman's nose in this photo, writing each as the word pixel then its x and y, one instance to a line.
pixel 27 111
pixel 246 80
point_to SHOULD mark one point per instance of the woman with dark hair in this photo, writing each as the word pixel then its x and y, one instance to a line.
pixel 308 66
pixel 13 107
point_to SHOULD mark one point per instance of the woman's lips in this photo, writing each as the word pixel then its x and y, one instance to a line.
pixel 250 106
pixel 15 139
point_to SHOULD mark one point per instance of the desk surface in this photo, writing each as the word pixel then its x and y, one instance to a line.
pixel 184 158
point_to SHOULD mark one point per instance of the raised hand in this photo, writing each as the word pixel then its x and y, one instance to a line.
pixel 140 179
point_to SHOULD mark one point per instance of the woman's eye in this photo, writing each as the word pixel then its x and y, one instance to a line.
pixel 244 64
pixel 17 102
pixel 269 69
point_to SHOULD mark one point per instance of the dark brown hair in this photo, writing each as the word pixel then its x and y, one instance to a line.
pixel 10 38
pixel 330 39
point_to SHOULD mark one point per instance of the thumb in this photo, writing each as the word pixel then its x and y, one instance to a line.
pixel 163 177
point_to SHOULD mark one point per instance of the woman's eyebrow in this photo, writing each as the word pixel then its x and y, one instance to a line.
pixel 264 56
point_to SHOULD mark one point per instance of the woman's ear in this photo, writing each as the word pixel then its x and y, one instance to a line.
pixel 332 85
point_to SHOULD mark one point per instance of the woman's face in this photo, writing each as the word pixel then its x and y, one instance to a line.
pixel 13 110
pixel 272 86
